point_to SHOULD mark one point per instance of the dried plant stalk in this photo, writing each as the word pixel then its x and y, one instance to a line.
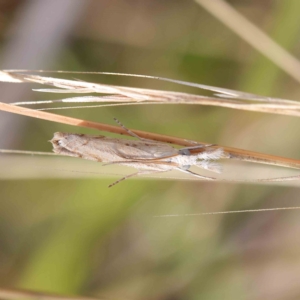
pixel 234 153
pixel 273 105
pixel 225 97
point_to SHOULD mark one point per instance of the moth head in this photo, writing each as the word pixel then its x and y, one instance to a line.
pixel 59 143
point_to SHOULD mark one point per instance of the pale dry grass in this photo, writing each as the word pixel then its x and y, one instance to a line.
pixel 127 94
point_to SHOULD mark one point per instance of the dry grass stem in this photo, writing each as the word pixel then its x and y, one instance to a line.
pixel 228 212
pixel 126 95
pixel 137 95
pixel 234 153
pixel 259 40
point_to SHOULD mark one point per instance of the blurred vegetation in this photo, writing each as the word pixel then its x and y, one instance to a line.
pixel 77 236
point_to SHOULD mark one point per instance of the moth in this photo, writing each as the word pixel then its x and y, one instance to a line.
pixel 147 156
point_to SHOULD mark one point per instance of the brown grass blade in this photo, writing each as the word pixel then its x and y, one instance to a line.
pixel 272 105
pixel 234 153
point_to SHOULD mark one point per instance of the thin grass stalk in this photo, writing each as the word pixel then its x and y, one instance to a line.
pixel 234 153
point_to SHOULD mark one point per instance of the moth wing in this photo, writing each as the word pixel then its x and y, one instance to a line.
pixel 145 150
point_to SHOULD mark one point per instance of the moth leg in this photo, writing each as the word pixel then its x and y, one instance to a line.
pixel 135 161
pixel 118 162
pixel 195 174
pixel 132 133
pixel 132 175
pixel 125 177
pixel 128 130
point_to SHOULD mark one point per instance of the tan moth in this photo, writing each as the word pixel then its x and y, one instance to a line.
pixel 147 156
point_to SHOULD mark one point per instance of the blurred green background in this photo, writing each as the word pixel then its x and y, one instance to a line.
pixel 76 236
